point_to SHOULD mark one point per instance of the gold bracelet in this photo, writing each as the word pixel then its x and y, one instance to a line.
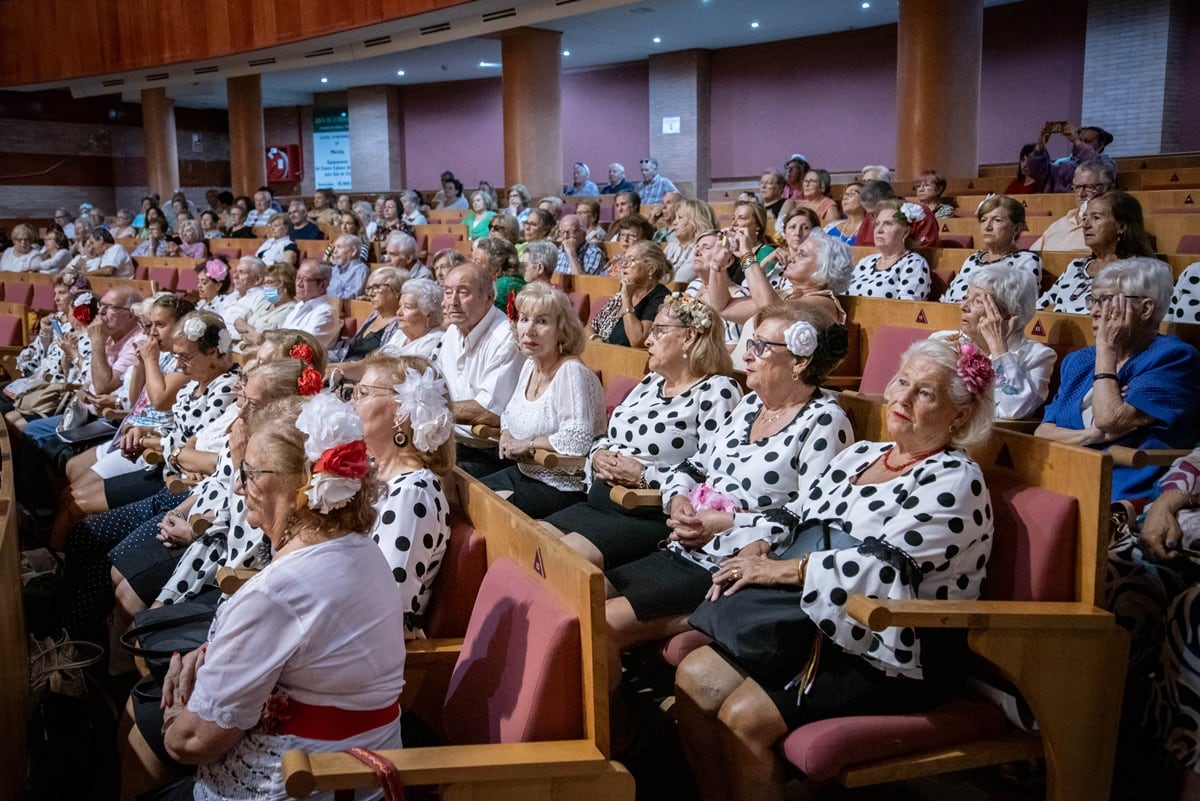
pixel 802 568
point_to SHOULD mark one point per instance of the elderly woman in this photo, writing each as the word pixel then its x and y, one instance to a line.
pixel 279 245
pixel 1001 221
pixel 383 290
pixel 191 240
pixel 210 224
pixel 123 229
pixel 919 499
pixel 795 224
pixel 499 258
pixel 420 321
pixel 538 261
pixel 627 318
pixel 766 453
pixel 410 203
pixel 213 279
pixel 444 261
pixel 558 406
pixel 691 217
pixel 587 209
pixel 1135 386
pixel 815 188
pixel 687 389
pixel 55 252
pixel 929 188
pixel 214 698
pixel 483 209
pixel 896 271
pixel 1112 229
pixel 155 241
pixel 23 256
pixel 505 227
pixel 995 311
pixel 847 229
pixel 539 224
pixel 518 203
pixel 389 221
pixel 409 431
pixel 279 292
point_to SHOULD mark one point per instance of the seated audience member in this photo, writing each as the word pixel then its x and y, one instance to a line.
pixel 929 188
pixel 625 203
pixel 896 271
pixel 875 172
pixel 279 245
pixel 24 255
pixel 246 295
pixel 389 222
pixel 480 362
pixel 1001 221
pixel 191 239
pixel 1092 179
pixel 106 257
pixel 383 291
pixel 616 180
pixel 239 225
pixel 847 229
pixel 371 216
pixel 62 218
pixel 794 171
pixel 627 318
pixel 1185 302
pixel 213 279
pixel 314 313
pixel 663 217
pixel 767 453
pixel 445 260
pixel 557 406
pixel 748 230
pixel 887 491
pixel 1135 386
pixel 313 548
pixel 481 213
pixel 349 274
pixel 420 330
pixel 553 206
pixel 692 217
pixel 588 211
pixel 302 227
pixel 410 203
pixel 500 259
pixel 924 229
pixel 1087 144
pixel 263 211
pixel 1112 230
pixel 815 188
pixel 711 259
pixel 518 203
pixel 653 187
pixel 409 431
pixel 1023 183
pixel 998 304
pixel 577 255
pixel 324 211
pixel 155 243
pixel 538 261
pixel 350 225
pixel 452 197
pixel 210 224
pixel 279 300
pixel 46 357
pixel 55 253
pixel 506 227
pixel 124 226
pixel 400 251
pixel 793 228
pixel 688 386
pixel 581 181
pixel 627 230
pixel 770 188
pixel 538 225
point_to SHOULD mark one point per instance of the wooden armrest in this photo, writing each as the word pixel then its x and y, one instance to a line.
pixel 432 653
pixel 153 455
pixel 1020 426
pixel 200 524
pixel 305 773
pixel 878 614
pixel 843 382
pixel 178 484
pixel 486 432
pixel 230 579
pixel 1135 457
pixel 116 415
pixel 558 461
pixel 633 498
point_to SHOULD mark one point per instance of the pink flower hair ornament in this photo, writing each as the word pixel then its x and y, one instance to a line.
pixel 975 370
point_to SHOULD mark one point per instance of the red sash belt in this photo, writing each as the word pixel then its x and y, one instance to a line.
pixel 284 715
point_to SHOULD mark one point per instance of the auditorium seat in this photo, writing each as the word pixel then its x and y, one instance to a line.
pixel 164 278
pixel 16 291
pixel 1188 243
pixel 185 281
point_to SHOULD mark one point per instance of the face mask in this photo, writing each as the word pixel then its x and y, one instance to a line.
pixel 271 293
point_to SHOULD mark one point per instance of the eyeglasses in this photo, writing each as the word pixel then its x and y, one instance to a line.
pixel 359 391
pixel 184 359
pixel 1093 301
pixel 248 474
pixel 1077 188
pixel 373 288
pixel 496 227
pixel 759 345
pixel 110 307
pixel 302 279
pixel 658 329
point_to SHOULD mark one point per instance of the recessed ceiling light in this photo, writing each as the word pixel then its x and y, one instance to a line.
pixel 489 63
pixel 754 24
pixel 657 39
pixel 566 52
pixel 866 5
pixel 400 73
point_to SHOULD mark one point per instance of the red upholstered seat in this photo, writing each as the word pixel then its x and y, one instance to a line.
pixel 518 676
pixel 1025 241
pixel 186 281
pixel 457 583
pixel 618 387
pixel 579 302
pixel 164 277
pixel 18 292
pixel 10 329
pixel 443 241
pixel 957 240
pixel 43 297
pixel 886 347
pixel 1188 243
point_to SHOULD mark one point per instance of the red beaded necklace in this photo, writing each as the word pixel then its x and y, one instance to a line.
pixel 919 457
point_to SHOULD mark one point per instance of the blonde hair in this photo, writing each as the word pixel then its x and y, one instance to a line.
pixel 541 298
pixel 440 460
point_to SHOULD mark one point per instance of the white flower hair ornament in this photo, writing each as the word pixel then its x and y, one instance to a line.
pixel 911 212
pixel 801 339
pixel 194 328
pixel 422 399
pixel 82 299
pixel 334 448
pixel 200 332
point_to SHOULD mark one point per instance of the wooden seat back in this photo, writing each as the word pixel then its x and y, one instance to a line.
pixel 14 659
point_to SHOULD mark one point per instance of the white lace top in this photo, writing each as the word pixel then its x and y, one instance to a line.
pixel 570 412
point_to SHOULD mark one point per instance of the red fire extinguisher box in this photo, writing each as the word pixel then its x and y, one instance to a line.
pixel 284 164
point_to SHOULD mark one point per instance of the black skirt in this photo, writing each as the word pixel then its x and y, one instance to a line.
pixel 621 535
pixel 663 584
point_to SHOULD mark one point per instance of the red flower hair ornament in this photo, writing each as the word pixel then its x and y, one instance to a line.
pixel 334 447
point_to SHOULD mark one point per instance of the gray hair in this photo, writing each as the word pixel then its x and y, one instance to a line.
pixel 882 173
pixel 585 169
pixel 543 252
pixel 616 165
pixel 1106 172
pixel 401 241
pixel 1140 276
pixel 834 261
pixel 192 225
pixel 258 267
pixel 324 269
pixel 352 240
pixel 429 297
pixel 393 277
pixel 1015 293
pixel 945 354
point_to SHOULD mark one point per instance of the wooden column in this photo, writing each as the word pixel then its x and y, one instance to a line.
pixel 938 59
pixel 533 152
pixel 162 149
pixel 247 142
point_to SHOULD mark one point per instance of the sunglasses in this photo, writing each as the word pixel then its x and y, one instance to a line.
pixel 758 346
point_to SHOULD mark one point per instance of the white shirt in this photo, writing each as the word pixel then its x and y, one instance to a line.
pixel 11 262
pixel 1065 233
pixel 427 347
pixel 482 366
pixel 317 317
pixel 242 306
pixel 115 256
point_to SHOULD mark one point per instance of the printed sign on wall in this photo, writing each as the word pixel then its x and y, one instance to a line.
pixel 331 148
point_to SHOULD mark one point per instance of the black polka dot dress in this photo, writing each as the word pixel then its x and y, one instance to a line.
pixel 1070 291
pixel 933 520
pixel 193 411
pixel 1185 304
pixel 1025 260
pixel 762 474
pixel 907 279
pixel 413 530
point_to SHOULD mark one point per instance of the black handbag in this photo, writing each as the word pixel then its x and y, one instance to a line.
pixel 159 633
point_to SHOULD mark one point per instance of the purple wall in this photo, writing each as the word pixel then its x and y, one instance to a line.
pixel 1189 135
pixel 456 126
pixel 606 118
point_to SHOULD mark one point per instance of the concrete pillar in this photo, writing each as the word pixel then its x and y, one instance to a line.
pixel 533 149
pixel 680 124
pixel 247 143
pixel 162 149
pixel 938 56
pixel 376 138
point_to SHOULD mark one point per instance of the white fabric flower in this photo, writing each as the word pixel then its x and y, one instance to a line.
pixel 224 341
pixel 82 299
pixel 913 212
pixel 327 422
pixel 801 339
pixel 327 492
pixel 422 399
pixel 194 328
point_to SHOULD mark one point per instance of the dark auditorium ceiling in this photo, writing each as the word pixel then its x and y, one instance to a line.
pixel 607 32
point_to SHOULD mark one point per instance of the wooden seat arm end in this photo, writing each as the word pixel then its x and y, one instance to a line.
pixel 553 460
pixel 633 498
pixel 1123 456
pixel 878 614
pixel 486 432
pixel 229 579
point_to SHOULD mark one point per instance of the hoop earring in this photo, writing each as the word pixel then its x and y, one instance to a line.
pixel 399 438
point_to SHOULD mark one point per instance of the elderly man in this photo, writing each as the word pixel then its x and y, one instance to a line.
pixel 315 312
pixel 100 255
pixel 1091 180
pixel 664 218
pixel 577 256
pixel 324 207
pixel 1087 145
pixel 400 251
pixel 349 275
pixel 582 184
pixel 480 362
pixel 302 227
pixel 616 180
pixel 247 295
pixel 262 211
pixel 62 218
pixel 653 186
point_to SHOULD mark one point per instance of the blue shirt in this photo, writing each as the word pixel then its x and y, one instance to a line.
pixel 591 259
pixel 348 282
pixel 651 192
pixel 588 188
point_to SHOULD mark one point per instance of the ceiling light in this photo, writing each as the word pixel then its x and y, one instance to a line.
pixel 324 80
pixel 657 40
pixel 400 73
pixel 566 52
pixel 866 5
pixel 489 63
pixel 754 24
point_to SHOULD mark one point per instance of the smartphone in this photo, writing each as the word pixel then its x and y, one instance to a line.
pixel 1055 127
pixel 57 326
